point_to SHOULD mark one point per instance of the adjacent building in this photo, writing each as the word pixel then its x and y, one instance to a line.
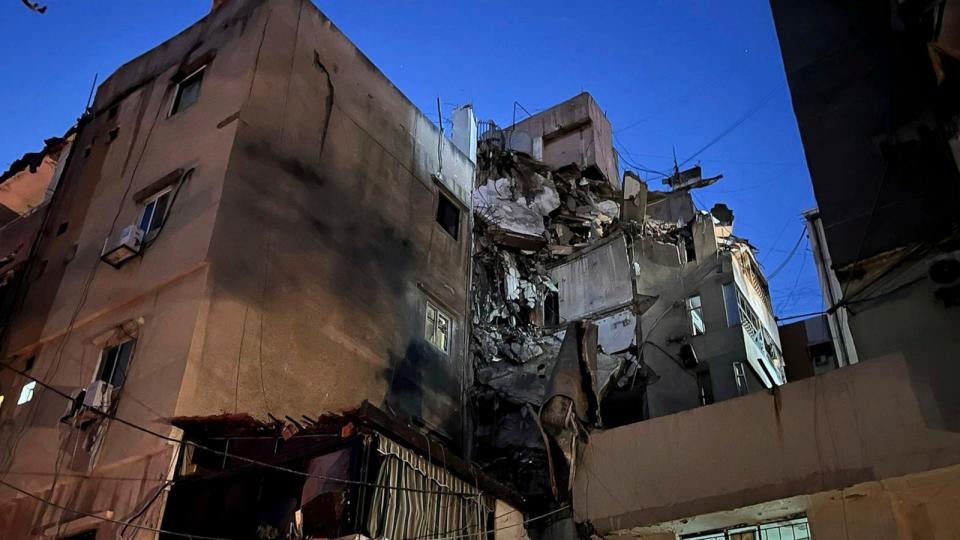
pixel 872 449
pixel 808 347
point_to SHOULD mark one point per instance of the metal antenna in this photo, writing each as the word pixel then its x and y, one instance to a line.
pixel 92 88
pixel 439 138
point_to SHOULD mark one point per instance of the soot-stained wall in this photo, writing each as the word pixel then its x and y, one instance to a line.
pixel 326 248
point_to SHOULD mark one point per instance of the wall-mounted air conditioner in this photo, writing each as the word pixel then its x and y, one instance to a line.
pixel 98 395
pixel 122 246
pixel 944 272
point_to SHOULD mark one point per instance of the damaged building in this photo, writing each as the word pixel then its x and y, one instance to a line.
pixel 660 306
pixel 865 444
pixel 256 293
pixel 217 242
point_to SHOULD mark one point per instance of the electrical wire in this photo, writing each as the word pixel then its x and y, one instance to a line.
pixel 202 537
pixel 737 123
pixel 796 282
pixel 776 241
pixel 225 454
pixel 790 255
pixel 106 519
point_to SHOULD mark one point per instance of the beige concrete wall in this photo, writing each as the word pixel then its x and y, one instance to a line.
pixel 920 505
pixel 24 191
pixel 574 132
pixel 860 424
pixel 76 300
pixel 508 523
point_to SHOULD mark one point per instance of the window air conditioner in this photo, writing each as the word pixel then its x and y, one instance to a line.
pixel 98 395
pixel 122 246
pixel 944 272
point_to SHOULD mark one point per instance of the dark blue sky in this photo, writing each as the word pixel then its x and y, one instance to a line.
pixel 670 74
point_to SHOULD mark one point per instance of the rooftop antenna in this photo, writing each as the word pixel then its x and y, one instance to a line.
pixel 439 139
pixel 92 88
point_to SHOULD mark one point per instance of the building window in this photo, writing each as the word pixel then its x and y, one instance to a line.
pixel 551 308
pixel 705 386
pixel 1 401
pixel 26 393
pixel 448 216
pixel 791 529
pixel 188 91
pixel 695 309
pixel 114 362
pixel 154 213
pixel 740 376
pixel 730 302
pixel 437 329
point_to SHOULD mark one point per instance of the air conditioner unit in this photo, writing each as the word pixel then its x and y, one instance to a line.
pixel 944 272
pixel 98 395
pixel 122 246
pixel 944 269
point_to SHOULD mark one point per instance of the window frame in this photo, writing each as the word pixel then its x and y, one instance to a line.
pixel 175 107
pixel 150 231
pixel 740 378
pixel 431 336
pixel 731 303
pixel 97 375
pixel 698 309
pixel 27 391
pixel 445 200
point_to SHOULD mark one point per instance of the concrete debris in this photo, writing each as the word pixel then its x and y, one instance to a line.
pixel 566 270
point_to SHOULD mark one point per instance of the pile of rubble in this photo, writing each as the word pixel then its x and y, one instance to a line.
pixel 528 217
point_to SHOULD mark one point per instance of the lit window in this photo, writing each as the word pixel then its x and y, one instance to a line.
pixel 154 213
pixel 114 362
pixel 188 91
pixel 437 328
pixel 1 400
pixel 448 216
pixel 695 308
pixel 740 376
pixel 26 393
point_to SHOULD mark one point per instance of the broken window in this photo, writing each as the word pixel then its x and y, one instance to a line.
pixel 740 376
pixel 188 91
pixel 114 362
pixel 448 215
pixel 26 393
pixel 154 213
pixel 437 329
pixel 730 302
pixel 551 309
pixel 695 309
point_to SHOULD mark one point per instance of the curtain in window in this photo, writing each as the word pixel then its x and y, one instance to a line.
pixel 457 511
